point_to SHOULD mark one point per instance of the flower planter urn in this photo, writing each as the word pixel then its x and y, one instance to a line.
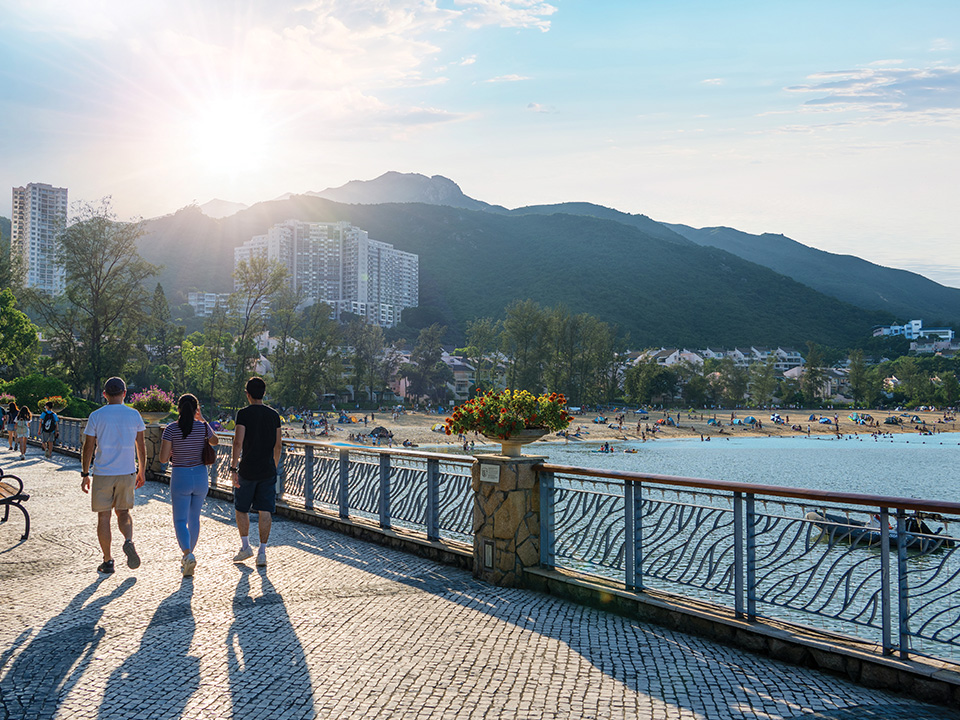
pixel 512 446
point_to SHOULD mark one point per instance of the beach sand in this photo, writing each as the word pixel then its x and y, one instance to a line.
pixel 416 426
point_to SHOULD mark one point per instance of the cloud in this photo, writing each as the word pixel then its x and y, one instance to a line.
pixel 507 13
pixel 941 45
pixel 469 60
pixel 506 78
pixel 538 108
pixel 713 81
pixel 886 89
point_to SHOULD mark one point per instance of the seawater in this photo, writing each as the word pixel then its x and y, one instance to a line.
pixel 910 466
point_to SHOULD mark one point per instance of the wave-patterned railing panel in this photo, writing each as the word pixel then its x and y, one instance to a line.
pixel 886 570
pixel 425 492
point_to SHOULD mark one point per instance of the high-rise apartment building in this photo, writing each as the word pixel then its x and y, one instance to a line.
pixel 338 264
pixel 39 214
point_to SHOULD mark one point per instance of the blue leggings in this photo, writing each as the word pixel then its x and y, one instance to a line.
pixel 188 488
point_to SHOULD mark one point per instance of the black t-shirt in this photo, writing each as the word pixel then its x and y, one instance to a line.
pixel 260 423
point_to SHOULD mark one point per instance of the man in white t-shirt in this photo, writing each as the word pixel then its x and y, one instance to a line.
pixel 121 458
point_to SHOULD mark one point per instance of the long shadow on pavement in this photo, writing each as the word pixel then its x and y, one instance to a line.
pixel 53 662
pixel 161 675
pixel 265 660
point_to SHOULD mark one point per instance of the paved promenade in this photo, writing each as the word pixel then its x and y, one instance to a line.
pixel 338 628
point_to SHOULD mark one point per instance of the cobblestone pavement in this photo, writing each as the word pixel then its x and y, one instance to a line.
pixel 338 628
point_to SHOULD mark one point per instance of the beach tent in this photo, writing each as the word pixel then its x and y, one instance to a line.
pixel 438 427
pixel 737 421
pixel 380 431
pixel 916 419
pixel 892 421
pixel 826 421
pixel 749 420
pixel 712 421
pixel 812 418
pixel 599 419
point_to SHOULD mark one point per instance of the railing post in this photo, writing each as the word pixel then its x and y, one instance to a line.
pixel 886 608
pixel 738 552
pixel 308 475
pixel 902 585
pixel 751 530
pixel 633 542
pixel 385 490
pixel 548 550
pixel 433 499
pixel 343 494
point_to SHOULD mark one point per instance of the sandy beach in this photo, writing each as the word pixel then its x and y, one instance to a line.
pixel 416 426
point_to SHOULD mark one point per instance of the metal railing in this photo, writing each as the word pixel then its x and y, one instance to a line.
pixel 802 556
pixel 70 429
pixel 421 491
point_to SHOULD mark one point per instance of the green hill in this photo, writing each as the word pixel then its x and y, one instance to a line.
pixel 852 279
pixel 475 263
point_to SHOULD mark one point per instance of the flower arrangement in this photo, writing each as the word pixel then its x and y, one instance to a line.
pixel 500 414
pixel 153 399
pixel 57 402
pixel 7 398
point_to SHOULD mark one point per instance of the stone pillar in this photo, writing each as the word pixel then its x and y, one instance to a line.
pixel 151 437
pixel 506 519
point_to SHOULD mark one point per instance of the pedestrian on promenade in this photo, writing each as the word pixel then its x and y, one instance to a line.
pixel 49 429
pixel 12 412
pixel 121 459
pixel 257 444
pixel 182 445
pixel 23 429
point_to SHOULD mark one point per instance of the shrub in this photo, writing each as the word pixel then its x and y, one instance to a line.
pixel 153 399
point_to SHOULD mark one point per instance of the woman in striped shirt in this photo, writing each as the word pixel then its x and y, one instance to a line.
pixel 182 443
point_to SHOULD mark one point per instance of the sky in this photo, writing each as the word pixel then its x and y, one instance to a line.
pixel 834 123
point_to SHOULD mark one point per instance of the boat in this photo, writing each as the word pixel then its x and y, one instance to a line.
pixel 839 528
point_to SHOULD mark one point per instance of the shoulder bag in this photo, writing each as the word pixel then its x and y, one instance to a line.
pixel 209 454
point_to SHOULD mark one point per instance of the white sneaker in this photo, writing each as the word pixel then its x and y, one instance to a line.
pixel 244 553
pixel 262 558
pixel 188 564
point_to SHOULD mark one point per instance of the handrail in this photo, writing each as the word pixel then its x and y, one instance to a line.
pixel 346 445
pixel 757 489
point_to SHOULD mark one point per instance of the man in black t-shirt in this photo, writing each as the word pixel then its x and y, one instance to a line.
pixel 257 443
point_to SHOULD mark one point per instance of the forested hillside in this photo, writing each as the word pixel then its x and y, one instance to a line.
pixel 475 263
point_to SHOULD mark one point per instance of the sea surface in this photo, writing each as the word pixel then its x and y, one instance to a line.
pixel 910 466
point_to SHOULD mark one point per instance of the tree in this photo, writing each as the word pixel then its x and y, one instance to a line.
pixel 814 374
pixel 367 343
pixel 524 342
pixel 19 343
pixel 735 380
pixel 255 281
pixel 313 364
pixel 649 382
pixel 90 323
pixel 482 342
pixel 763 381
pixel 161 329
pixel 859 378
pixel 426 371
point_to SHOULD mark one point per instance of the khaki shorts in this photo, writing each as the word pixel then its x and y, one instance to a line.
pixel 112 491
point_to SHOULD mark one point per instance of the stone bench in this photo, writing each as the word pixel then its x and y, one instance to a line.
pixel 13 495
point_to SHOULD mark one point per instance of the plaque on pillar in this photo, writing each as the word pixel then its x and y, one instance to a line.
pixel 489 473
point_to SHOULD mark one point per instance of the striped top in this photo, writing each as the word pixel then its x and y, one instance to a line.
pixel 186 451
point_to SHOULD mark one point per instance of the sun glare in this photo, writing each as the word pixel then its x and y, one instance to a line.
pixel 230 138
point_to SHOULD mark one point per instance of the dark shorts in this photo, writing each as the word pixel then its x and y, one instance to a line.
pixel 258 495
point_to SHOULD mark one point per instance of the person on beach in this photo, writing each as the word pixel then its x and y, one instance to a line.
pixel 182 445
pixel 23 429
pixel 49 429
pixel 257 444
pixel 12 412
pixel 116 432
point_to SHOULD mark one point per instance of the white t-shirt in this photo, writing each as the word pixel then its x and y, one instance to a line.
pixel 115 427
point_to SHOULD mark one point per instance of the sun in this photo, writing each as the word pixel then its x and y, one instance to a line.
pixel 230 137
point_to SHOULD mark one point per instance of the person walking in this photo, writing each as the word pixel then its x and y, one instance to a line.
pixel 49 429
pixel 23 429
pixel 11 420
pixel 115 431
pixel 257 444
pixel 182 445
